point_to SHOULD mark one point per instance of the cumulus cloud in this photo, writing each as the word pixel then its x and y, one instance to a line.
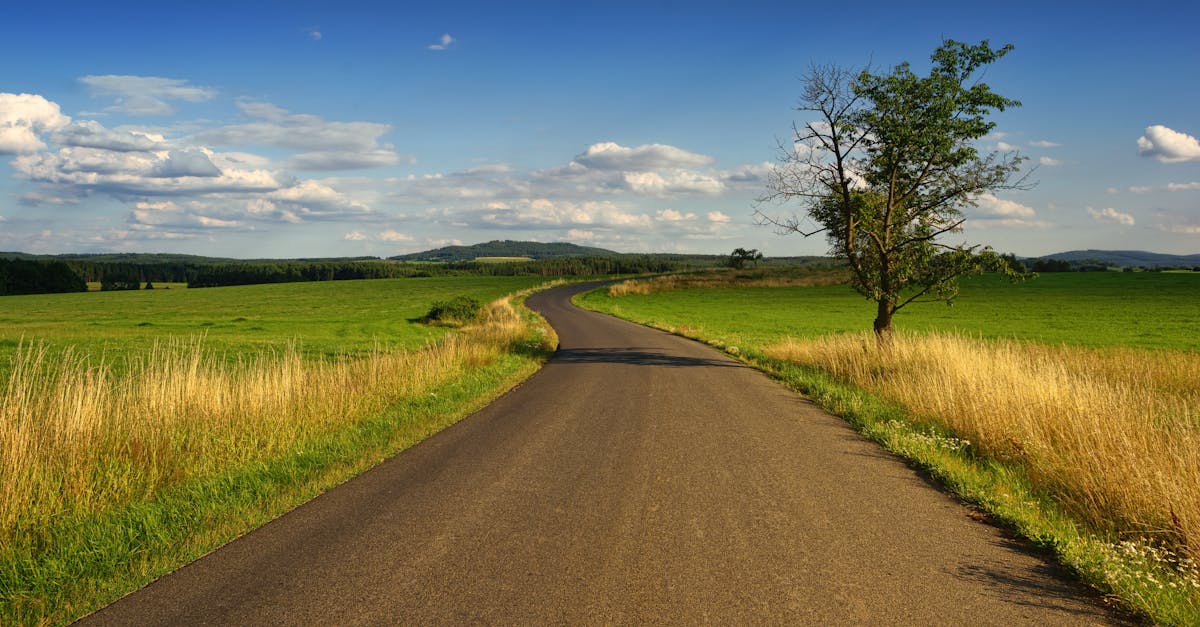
pixel 1111 216
pixel 168 172
pixel 612 156
pixel 1005 146
pixel 1049 162
pixel 144 95
pixel 991 206
pixel 1168 146
pixel 443 42
pixel 22 118
pixel 717 216
pixel 993 211
pixel 355 236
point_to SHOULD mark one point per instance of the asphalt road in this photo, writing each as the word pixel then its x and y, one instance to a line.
pixel 638 478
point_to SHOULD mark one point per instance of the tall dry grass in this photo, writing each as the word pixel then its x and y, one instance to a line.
pixel 727 278
pixel 1114 434
pixel 75 437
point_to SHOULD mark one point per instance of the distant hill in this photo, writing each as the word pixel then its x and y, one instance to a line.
pixel 1127 258
pixel 507 248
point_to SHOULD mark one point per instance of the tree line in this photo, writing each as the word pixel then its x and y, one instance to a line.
pixel 21 276
pixel 25 276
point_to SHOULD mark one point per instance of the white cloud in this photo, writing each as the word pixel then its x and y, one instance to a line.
pixel 393 236
pixel 355 236
pixel 314 34
pixel 1111 216
pixel 22 118
pixel 580 235
pixel 443 42
pixel 168 172
pixel 145 95
pixel 1041 143
pixel 678 182
pixel 1168 146
pixel 1047 161
pixel 1005 146
pixel 671 215
pixel 612 156
pixel 1000 212
pixel 717 216
pixel 1112 190
pixel 991 206
pixel 1140 189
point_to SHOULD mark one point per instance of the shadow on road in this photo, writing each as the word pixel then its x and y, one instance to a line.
pixel 637 357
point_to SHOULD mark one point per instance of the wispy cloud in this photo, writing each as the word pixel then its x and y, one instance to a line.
pixel 144 95
pixel 1042 143
pixel 1049 162
pixel 444 42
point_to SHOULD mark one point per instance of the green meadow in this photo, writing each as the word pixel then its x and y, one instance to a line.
pixel 1144 310
pixel 322 318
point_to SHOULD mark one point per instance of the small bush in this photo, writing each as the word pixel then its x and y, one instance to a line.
pixel 457 311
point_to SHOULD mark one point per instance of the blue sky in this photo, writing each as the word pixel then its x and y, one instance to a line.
pixel 301 129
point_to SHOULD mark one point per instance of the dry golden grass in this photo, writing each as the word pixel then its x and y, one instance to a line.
pixel 1114 434
pixel 76 438
pixel 726 278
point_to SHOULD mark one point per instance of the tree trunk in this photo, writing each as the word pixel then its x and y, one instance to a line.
pixel 883 323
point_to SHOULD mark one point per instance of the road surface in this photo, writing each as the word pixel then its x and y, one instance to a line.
pixel 637 478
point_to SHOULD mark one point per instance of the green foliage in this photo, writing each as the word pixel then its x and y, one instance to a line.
pixel 23 276
pixel 456 311
pixel 740 257
pixel 888 168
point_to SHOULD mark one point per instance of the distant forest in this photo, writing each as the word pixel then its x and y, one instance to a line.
pixel 34 275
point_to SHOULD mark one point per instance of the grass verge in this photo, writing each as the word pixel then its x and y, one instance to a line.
pixel 1122 522
pixel 111 482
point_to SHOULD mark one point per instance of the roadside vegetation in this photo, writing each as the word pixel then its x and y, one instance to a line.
pixel 1063 407
pixel 121 465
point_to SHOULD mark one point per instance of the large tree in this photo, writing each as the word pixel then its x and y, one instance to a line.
pixel 886 169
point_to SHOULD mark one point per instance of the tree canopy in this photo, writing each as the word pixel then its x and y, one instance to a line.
pixel 886 169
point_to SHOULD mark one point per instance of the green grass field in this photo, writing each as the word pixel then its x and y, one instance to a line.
pixel 1145 310
pixel 325 318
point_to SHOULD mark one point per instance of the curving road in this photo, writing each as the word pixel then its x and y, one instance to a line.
pixel 637 478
